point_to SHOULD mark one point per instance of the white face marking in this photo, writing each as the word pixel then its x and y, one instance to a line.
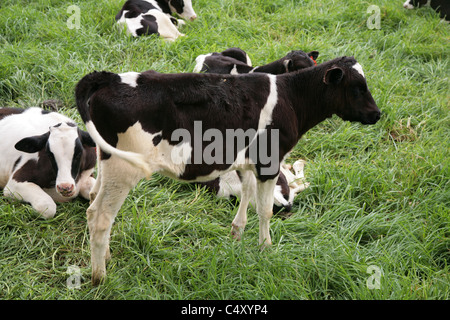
pixel 234 70
pixel 358 68
pixel 129 78
pixel 62 144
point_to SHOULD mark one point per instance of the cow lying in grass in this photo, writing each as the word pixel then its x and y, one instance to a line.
pixel 44 158
pixel 228 61
pixel 144 17
pixel 289 184
pixel 196 127
pixel 441 6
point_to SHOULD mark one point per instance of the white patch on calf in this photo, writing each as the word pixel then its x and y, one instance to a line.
pixel 234 70
pixel 249 62
pixel 159 157
pixel 129 78
pixel 358 68
pixel 166 28
pixel 408 5
pixel 199 61
pixel 265 117
pixel 131 24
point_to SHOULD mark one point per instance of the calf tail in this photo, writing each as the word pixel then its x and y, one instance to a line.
pixel 85 89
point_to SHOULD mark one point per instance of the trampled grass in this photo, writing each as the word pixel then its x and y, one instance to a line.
pixel 379 197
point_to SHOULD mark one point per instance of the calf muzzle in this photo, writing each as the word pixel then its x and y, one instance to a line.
pixel 65 189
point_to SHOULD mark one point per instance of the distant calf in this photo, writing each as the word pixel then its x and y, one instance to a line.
pixel 228 62
pixel 44 158
pixel 144 17
pixel 197 127
pixel 441 6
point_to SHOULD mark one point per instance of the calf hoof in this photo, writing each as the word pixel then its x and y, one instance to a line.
pixel 92 197
pixel 98 277
pixel 236 232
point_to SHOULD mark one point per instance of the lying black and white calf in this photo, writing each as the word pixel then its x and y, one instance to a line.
pixel 229 185
pixel 441 6
pixel 44 158
pixel 144 17
pixel 224 62
pixel 197 127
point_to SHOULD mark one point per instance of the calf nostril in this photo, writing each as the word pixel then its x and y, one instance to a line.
pixel 65 188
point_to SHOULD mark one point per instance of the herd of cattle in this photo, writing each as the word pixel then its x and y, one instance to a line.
pixel 135 123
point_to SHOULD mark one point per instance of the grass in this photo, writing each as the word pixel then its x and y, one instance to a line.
pixel 379 195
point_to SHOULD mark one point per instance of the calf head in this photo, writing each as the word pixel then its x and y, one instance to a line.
pixel 63 144
pixel 183 8
pixel 297 59
pixel 350 97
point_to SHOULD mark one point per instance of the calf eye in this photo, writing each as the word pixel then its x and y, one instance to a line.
pixel 358 91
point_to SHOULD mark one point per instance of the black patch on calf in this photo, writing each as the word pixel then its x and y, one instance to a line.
pixel 137 7
pixel 178 5
pixel 76 160
pixel 156 140
pixel 40 171
pixel 235 53
pixel 149 26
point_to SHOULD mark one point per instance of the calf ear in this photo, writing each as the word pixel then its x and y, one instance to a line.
pixel 33 144
pixel 288 64
pixel 333 75
pixel 313 55
pixel 86 138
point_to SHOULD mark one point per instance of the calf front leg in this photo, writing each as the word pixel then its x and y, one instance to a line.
pixel 247 192
pixel 264 208
pixel 33 194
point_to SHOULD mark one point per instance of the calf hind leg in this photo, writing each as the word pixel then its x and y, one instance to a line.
pixel 101 213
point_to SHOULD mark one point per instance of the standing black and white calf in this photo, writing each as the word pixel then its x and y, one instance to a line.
pixel 441 6
pixel 196 127
pixel 44 158
pixel 229 62
pixel 144 17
